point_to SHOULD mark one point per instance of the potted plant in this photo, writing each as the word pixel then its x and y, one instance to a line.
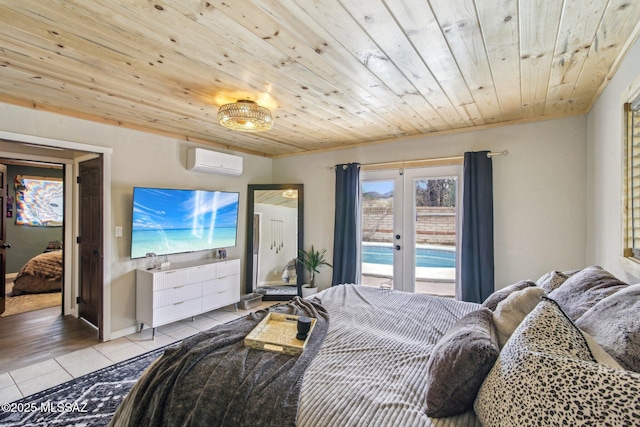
pixel 312 260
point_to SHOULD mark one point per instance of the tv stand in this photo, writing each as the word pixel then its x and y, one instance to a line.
pixel 185 289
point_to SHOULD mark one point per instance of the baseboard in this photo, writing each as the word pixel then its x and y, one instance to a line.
pixel 10 276
pixel 123 332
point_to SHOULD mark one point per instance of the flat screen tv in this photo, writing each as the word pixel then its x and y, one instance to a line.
pixel 170 221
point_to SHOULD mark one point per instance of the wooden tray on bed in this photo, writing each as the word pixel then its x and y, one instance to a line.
pixel 277 332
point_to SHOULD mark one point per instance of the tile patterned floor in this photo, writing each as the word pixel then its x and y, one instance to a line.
pixel 32 379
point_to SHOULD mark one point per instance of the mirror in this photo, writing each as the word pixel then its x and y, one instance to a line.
pixel 274 234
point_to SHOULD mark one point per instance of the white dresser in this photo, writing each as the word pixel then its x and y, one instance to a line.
pixel 185 289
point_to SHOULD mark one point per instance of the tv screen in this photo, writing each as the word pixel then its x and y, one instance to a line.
pixel 169 221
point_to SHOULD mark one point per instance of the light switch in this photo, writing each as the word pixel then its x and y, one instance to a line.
pixel 119 231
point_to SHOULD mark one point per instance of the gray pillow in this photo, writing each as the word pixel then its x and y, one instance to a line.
pixel 614 323
pixel 459 363
pixel 492 300
pixel 585 289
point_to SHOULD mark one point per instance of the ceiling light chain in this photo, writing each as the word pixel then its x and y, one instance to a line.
pixel 245 116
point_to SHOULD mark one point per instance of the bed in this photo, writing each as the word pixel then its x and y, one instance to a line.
pixel 42 273
pixel 387 358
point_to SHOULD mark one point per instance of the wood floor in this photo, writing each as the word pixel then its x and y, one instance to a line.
pixel 40 335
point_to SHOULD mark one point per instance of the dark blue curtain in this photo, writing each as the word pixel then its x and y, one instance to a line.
pixel 477 270
pixel 345 234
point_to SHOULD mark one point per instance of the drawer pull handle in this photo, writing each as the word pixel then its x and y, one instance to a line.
pixel 178 287
pixel 178 303
pixel 169 272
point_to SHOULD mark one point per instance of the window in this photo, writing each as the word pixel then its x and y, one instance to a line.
pixel 632 172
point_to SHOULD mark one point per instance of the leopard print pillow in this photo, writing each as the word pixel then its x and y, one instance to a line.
pixel 552 280
pixel 546 375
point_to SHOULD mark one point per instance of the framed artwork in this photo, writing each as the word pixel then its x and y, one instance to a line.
pixel 9 206
pixel 39 201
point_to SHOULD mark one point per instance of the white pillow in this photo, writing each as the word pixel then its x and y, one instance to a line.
pixel 599 353
pixel 513 309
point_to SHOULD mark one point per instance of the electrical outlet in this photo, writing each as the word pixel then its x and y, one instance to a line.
pixel 119 231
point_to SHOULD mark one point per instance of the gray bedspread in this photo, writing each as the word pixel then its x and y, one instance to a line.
pixel 213 379
pixel 371 370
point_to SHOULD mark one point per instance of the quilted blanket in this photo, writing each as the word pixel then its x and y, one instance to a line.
pixel 213 379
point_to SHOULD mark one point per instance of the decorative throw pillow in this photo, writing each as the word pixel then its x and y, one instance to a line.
pixel 599 353
pixel 492 301
pixel 585 289
pixel 614 323
pixel 512 310
pixel 552 280
pixel 546 375
pixel 459 363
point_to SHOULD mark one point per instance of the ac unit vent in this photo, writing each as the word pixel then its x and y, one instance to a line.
pixel 207 161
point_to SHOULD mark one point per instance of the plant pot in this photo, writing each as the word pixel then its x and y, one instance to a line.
pixel 307 291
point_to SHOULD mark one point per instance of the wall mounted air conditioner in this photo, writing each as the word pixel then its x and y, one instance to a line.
pixel 200 160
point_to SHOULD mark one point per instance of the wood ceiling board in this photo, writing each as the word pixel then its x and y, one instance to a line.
pixel 335 73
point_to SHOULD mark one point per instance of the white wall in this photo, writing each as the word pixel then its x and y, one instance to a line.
pixel 139 159
pixel 539 191
pixel 605 172
pixel 273 260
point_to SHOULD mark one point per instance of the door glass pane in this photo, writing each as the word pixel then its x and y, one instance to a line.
pixel 377 251
pixel 435 235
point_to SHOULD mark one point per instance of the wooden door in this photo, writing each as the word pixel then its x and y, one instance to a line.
pixel 3 235
pixel 90 241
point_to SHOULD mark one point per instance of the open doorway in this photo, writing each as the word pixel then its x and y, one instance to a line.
pixel 71 156
pixel 34 220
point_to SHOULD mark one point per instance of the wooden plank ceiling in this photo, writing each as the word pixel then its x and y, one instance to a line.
pixel 334 73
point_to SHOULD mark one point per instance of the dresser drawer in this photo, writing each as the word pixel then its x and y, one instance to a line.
pixel 176 294
pixel 228 268
pixel 220 299
pixel 176 311
pixel 217 285
pixel 170 279
pixel 202 273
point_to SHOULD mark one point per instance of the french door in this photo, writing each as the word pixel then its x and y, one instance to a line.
pixel 410 227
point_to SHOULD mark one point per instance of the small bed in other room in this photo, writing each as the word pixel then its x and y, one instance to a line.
pixel 42 273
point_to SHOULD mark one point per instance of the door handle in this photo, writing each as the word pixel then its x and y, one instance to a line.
pixel 397 247
pixel 5 245
pixel 96 252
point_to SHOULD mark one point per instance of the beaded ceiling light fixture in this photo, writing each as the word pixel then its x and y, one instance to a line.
pixel 290 194
pixel 245 116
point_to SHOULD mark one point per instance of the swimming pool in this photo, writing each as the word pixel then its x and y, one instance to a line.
pixel 425 257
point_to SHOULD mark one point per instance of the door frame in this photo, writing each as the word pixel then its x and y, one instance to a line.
pixel 434 172
pixel 394 175
pixel 404 217
pixel 3 238
pixel 71 253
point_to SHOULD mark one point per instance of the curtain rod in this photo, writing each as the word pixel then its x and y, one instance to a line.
pixel 438 160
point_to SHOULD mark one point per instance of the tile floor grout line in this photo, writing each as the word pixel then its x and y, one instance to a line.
pixel 224 313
